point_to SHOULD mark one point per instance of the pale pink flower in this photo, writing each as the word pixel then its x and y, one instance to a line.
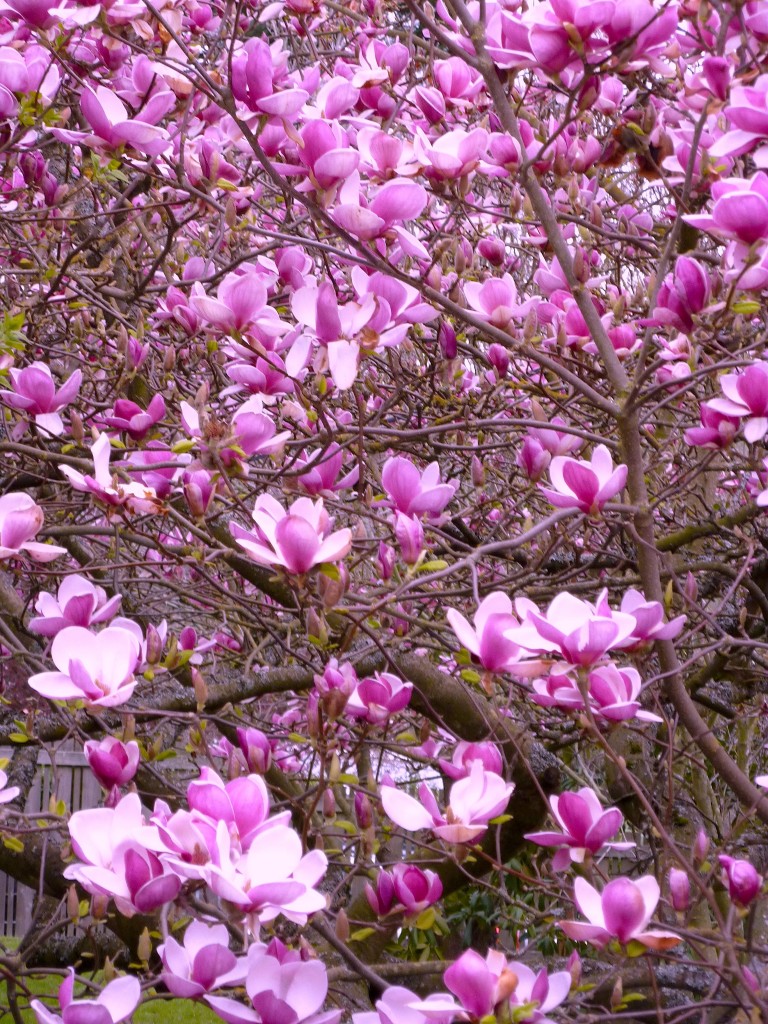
pixel 20 520
pixel 115 1003
pixel 412 492
pixel 378 697
pixel 7 793
pixel 95 667
pixel 406 888
pixel 621 912
pixel 77 603
pixel 107 489
pixel 296 539
pixel 464 756
pixel 112 762
pixel 487 641
pixel 473 801
pixel 585 484
pixel 746 396
pixel 203 962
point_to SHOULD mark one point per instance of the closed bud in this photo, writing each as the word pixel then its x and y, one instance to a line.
pixel 169 359
pixel 334 770
pixel 329 803
pixel 144 946
pixel 573 965
pixel 386 560
pixel 154 645
pixel 478 472
pixel 679 890
pixel 691 588
pixel 363 810
pixel 199 687
pixel 446 336
pixel 700 848
pixel 108 971
pixel 342 926
pixel 617 995
pixel 498 357
pixel 73 905
pixel 76 427
pixel 99 904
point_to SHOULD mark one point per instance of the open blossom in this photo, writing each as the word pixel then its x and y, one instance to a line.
pixel 412 492
pixel 282 989
pixel 613 693
pixel 581 632
pixel 35 394
pixel 203 962
pixel 118 857
pixel 586 827
pixel 585 484
pixel 77 603
pixel 746 396
pixel 297 539
pixel 378 697
pixel 95 667
pixel 20 520
pixel 488 985
pixel 473 801
pixel 487 641
pixel 622 911
pixel 717 430
pixel 108 489
pixel 115 1003
pixel 129 417
pixel 649 621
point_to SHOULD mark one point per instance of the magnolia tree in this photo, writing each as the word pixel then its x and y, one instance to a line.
pixel 384 479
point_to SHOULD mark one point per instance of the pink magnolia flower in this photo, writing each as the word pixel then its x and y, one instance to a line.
pixel 410 537
pixel 281 990
pixel 414 493
pixel 405 889
pixel 683 294
pixel 112 126
pixel 77 603
pixel 716 431
pixel 115 1003
pixel 240 305
pixel 108 489
pixel 679 890
pixel 204 961
pixel 585 484
pixel 740 214
pixel 586 827
pixel 487 641
pixel 35 393
pixel 473 801
pixel 129 417
pixel 622 911
pixel 401 1006
pixel 112 762
pixel 582 633
pixel 464 756
pixel 256 750
pixel 117 857
pixel 95 667
pixel 649 621
pixel 273 877
pixel 242 804
pixel 744 883
pixel 20 520
pixel 746 395
pixel 321 469
pixel 451 155
pixel 297 539
pixel 495 300
pixel 612 692
pixel 335 686
pixel 7 793
pixel 378 697
pixel 495 985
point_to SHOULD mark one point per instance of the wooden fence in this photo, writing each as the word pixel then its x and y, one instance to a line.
pixel 70 780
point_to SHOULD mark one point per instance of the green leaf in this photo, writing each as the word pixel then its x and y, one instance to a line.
pixel 433 566
pixel 502 819
pixel 18 737
pixel 361 934
pixel 13 844
pixel 425 920
pixel 746 306
pixel 470 676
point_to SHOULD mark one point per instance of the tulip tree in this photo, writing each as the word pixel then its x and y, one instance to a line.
pixel 385 472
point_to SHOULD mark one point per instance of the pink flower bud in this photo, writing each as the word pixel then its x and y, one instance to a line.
pixel 743 881
pixel 447 338
pixel 410 537
pixel 679 890
pixel 498 357
pixel 256 750
pixel 154 645
pixel 700 847
pixel 386 560
pixel 363 810
pixel 493 250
